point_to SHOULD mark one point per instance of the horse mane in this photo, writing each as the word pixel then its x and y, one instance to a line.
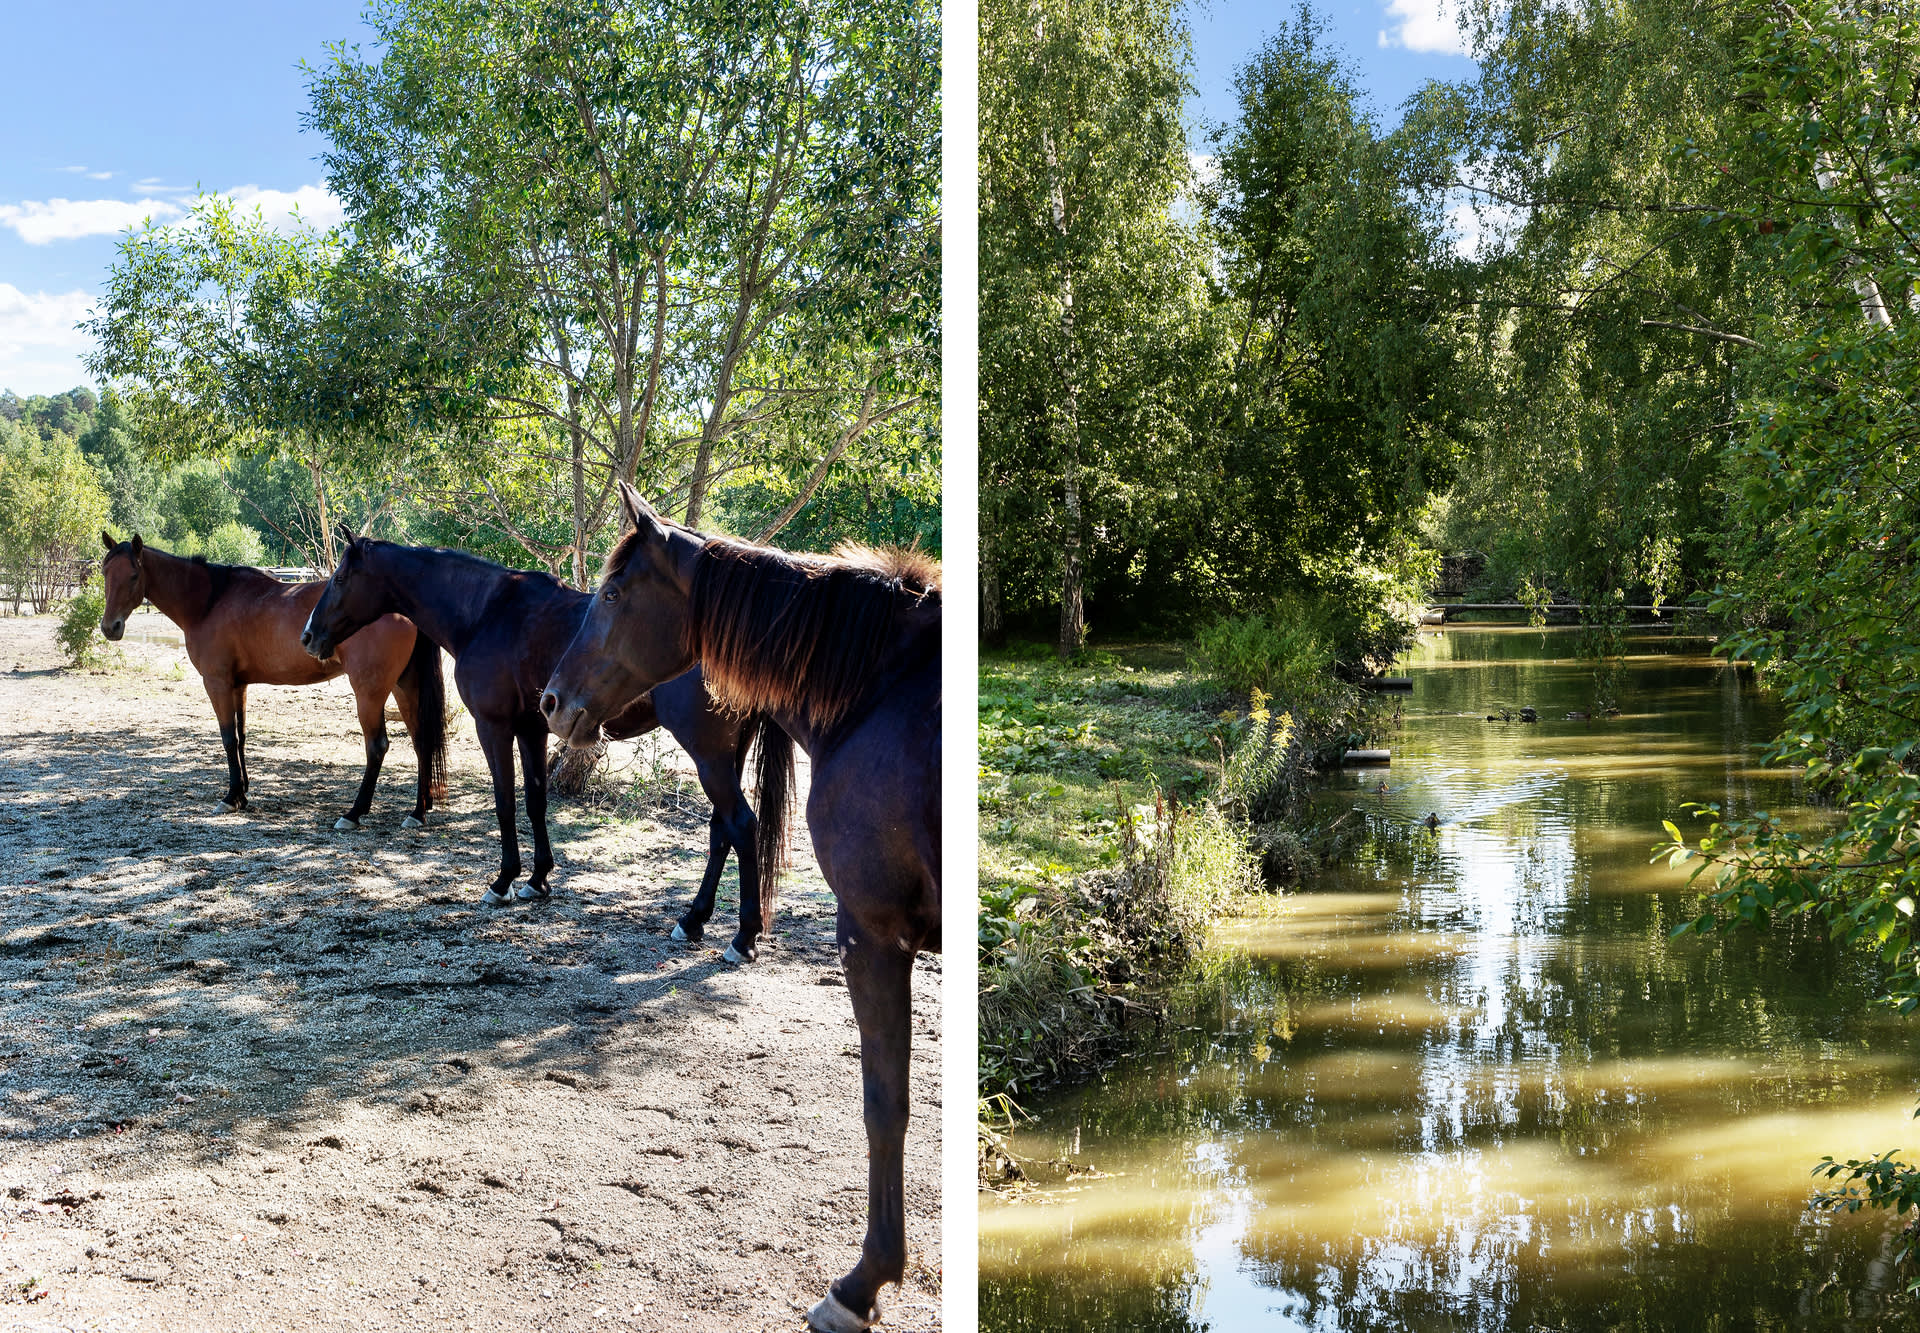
pixel 799 633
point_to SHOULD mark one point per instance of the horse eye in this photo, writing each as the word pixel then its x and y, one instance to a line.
pixel 611 594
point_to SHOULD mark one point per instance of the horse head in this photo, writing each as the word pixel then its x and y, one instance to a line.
pixel 126 579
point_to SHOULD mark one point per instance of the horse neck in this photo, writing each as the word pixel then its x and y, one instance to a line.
pixel 435 593
pixel 177 588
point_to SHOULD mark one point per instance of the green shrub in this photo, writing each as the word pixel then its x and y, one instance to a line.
pixel 1286 655
pixel 235 543
pixel 79 632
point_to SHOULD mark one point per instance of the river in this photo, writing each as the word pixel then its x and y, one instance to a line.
pixel 1468 1081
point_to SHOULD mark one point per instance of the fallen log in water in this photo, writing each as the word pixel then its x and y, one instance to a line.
pixel 1367 757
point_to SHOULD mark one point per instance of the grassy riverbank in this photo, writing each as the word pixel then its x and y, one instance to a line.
pixel 1127 799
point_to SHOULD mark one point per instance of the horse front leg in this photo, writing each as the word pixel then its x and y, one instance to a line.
pixel 229 705
pixel 496 742
pixel 373 727
pixel 692 924
pixel 732 826
pixel 879 982
pixel 533 769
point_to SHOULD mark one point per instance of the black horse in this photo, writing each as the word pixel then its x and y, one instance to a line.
pixel 844 654
pixel 505 629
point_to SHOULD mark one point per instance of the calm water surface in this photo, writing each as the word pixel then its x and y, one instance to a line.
pixel 1470 1083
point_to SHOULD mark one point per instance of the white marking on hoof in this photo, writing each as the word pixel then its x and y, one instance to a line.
pixel 411 822
pixel 678 934
pixel 343 824
pixel 222 808
pixel 495 898
pixel 733 955
pixel 829 1316
pixel 526 893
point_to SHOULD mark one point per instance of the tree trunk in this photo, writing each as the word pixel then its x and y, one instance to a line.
pixel 579 489
pixel 320 507
pixel 1073 620
pixel 993 630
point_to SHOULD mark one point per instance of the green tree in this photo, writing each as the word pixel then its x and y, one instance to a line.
pixel 194 500
pixel 225 338
pixel 1082 155
pixel 1345 385
pixel 130 481
pixel 51 512
pixel 700 226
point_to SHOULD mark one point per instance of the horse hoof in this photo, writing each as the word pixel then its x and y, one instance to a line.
pixel 495 898
pixel 529 893
pixel 222 808
pixel 829 1316
pixel 677 933
pixel 411 822
pixel 343 824
pixel 733 955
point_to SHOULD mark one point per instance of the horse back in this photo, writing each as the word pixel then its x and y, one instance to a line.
pixel 251 634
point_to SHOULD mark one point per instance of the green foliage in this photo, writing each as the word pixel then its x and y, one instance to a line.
pixel 1110 838
pixel 762 292
pixel 79 633
pixel 193 501
pixel 51 510
pixel 1199 391
pixel 1820 485
pixel 1284 653
pixel 235 544
pixel 1876 1182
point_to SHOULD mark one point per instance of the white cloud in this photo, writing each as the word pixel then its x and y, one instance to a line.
pixel 40 349
pixel 1429 26
pixel 317 206
pixel 39 221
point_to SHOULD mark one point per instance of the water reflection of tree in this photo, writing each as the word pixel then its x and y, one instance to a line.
pixel 1091 1297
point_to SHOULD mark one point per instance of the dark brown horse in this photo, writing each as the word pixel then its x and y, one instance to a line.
pixel 242 627
pixel 844 653
pixel 506 628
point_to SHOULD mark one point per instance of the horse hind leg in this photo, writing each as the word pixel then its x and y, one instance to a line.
pixel 373 726
pixel 408 702
pixel 879 982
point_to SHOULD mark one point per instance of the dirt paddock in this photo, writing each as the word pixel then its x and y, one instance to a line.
pixel 257 1074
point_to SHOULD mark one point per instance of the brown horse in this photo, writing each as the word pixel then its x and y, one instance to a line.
pixel 844 655
pixel 242 627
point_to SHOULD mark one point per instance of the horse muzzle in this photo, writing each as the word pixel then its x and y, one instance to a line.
pixel 569 721
pixel 317 644
pixel 111 630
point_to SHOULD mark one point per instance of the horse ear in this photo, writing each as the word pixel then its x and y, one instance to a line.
pixel 347 533
pixel 107 541
pixel 639 512
pixel 137 548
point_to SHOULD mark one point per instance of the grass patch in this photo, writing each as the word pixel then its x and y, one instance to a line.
pixel 1127 800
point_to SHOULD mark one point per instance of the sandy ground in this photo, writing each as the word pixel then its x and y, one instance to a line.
pixel 256 1074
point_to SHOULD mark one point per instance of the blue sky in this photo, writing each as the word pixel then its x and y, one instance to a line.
pixel 120 111
pixel 1394 45
pixel 123 111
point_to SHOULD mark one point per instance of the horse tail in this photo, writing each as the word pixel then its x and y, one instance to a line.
pixel 424 674
pixel 773 780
